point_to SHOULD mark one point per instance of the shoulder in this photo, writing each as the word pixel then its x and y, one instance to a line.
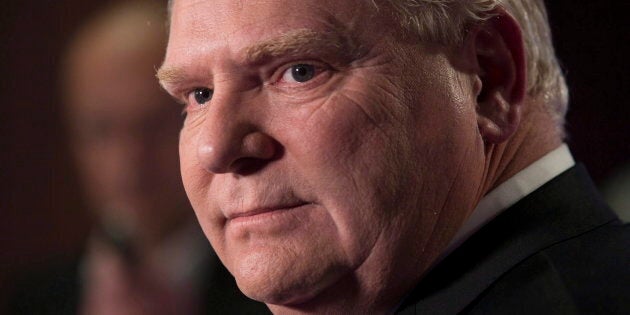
pixel 559 250
pixel 586 274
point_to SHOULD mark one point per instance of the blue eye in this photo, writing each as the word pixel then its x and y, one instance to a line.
pixel 299 73
pixel 203 95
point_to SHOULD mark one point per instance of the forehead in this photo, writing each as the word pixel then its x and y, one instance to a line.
pixel 200 27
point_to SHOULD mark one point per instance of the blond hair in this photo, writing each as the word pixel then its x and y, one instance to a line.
pixel 446 22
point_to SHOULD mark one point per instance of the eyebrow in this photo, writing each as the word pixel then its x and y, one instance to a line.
pixel 295 42
pixel 302 41
pixel 167 76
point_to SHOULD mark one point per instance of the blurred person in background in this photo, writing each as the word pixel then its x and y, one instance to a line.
pixel 146 254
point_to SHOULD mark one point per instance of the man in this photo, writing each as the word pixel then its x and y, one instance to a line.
pixel 389 156
pixel 147 255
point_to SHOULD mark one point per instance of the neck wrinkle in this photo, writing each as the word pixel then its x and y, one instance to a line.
pixel 536 136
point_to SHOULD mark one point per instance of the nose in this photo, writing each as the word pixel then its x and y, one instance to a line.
pixel 231 140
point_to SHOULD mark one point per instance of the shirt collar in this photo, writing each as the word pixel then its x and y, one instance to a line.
pixel 511 191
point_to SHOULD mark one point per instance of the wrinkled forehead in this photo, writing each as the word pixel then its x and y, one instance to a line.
pixel 205 24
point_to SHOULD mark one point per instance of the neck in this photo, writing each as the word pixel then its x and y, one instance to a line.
pixel 536 136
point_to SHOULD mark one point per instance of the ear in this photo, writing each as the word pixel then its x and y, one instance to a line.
pixel 500 79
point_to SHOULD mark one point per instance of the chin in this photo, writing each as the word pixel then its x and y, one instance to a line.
pixel 278 276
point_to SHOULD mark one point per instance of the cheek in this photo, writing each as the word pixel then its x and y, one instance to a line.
pixel 343 151
pixel 333 141
pixel 186 159
pixel 447 136
pixel 448 151
pixel 194 177
pixel 355 125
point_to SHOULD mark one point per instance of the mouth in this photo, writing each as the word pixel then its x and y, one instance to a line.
pixel 265 210
pixel 268 219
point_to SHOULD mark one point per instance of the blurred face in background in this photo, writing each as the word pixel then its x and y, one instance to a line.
pixel 124 128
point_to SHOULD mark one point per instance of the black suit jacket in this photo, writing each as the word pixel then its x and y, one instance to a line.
pixel 560 250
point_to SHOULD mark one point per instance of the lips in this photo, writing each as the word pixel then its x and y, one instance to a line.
pixel 274 207
pixel 273 220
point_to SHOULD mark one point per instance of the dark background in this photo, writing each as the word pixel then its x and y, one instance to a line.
pixel 42 217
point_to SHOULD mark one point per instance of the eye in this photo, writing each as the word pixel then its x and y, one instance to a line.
pixel 202 95
pixel 299 73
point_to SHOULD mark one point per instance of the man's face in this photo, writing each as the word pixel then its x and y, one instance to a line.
pixel 124 131
pixel 332 149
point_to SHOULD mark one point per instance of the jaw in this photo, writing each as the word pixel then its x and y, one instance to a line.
pixel 374 287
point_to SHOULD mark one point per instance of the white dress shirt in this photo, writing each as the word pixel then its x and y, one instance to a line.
pixel 511 191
